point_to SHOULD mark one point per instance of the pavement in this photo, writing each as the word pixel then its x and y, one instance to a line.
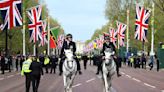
pixel 132 80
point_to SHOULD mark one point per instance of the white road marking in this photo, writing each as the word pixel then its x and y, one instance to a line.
pixel 90 80
pixel 129 76
pixel 122 73
pixel 1 78
pixel 76 85
pixel 136 79
pixel 10 76
pixel 162 90
pixel 149 85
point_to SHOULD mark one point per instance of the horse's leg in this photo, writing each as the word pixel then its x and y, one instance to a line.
pixel 109 83
pixel 65 83
pixel 105 82
pixel 71 82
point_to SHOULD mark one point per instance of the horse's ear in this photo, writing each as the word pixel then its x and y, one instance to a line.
pixel 65 50
pixel 105 52
pixel 113 52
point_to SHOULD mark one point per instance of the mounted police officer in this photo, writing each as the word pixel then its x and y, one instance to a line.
pixel 68 44
pixel 107 44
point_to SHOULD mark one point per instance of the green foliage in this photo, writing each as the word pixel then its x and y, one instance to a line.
pixel 15 42
pixel 116 10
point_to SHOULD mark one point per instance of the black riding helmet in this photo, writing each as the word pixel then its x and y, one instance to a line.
pixel 69 35
pixel 106 36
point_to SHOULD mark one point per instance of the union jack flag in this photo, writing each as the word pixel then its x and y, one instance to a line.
pixel 141 24
pixel 121 33
pixel 60 40
pixel 44 34
pixel 101 39
pixel 113 35
pixel 35 25
pixel 11 13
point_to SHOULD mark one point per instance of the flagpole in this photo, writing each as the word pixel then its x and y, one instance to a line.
pixel 48 47
pixel 127 33
pixel 23 31
pixel 152 31
pixel 6 48
pixel 34 49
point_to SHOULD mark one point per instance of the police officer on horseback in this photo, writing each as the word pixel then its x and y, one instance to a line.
pixel 68 44
pixel 107 44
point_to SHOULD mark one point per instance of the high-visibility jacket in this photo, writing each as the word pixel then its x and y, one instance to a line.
pixel 26 66
pixel 131 59
pixel 46 61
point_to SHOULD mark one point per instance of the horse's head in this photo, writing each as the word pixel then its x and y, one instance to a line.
pixel 69 54
pixel 108 55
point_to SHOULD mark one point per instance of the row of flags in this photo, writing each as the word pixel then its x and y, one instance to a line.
pixel 141 28
pixel 11 12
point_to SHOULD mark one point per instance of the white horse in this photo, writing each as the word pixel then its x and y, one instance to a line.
pixel 69 70
pixel 109 69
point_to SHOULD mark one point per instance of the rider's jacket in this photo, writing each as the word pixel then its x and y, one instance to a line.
pixel 71 45
pixel 108 45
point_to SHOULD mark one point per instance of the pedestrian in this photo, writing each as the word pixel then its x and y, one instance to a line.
pixel 26 71
pixel 10 63
pixel 22 59
pixel 157 62
pixel 117 60
pixel 17 62
pixel 36 72
pixel 85 59
pixel 46 63
pixel 143 61
pixel 3 64
pixel 98 60
pixel 54 61
pixel 151 64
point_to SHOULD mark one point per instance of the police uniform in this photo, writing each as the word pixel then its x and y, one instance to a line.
pixel 71 45
pixel 46 63
pixel 3 64
pixel 36 73
pixel 110 45
pixel 26 71
pixel 85 59
pixel 53 61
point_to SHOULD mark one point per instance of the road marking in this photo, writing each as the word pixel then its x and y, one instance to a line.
pixel 129 76
pixel 149 85
pixel 10 76
pixel 1 78
pixel 162 90
pixel 90 80
pixel 122 73
pixel 76 85
pixel 136 79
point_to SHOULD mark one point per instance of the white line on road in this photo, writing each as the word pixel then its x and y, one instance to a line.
pixel 1 78
pixel 90 80
pixel 129 76
pixel 136 79
pixel 10 76
pixel 149 85
pixel 76 85
pixel 162 90
pixel 122 73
